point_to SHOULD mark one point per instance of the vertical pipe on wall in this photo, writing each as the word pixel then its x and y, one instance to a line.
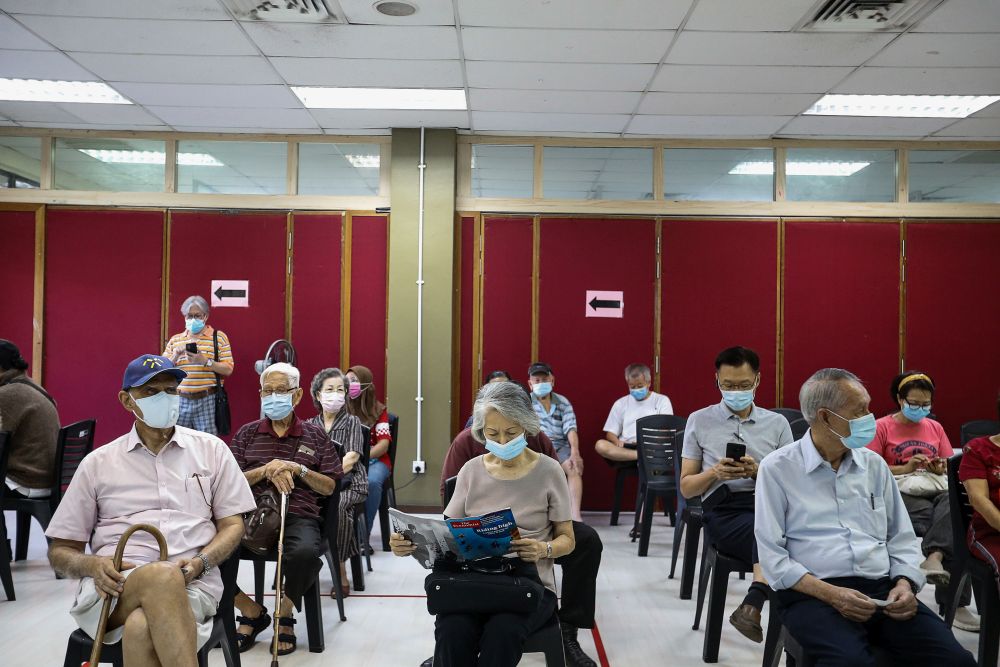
pixel 536 277
pixel 421 166
pixel 38 301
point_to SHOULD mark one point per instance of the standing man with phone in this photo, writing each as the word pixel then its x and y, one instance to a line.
pixel 723 445
pixel 205 355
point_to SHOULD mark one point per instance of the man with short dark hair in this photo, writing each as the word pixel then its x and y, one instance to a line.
pixel 558 421
pixel 726 486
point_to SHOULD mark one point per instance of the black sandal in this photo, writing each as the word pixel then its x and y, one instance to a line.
pixel 262 622
pixel 285 638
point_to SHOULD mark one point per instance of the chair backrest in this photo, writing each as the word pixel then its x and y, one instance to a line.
pixel 366 448
pixel 74 443
pixel 791 414
pixel 4 456
pixel 799 428
pixel 449 489
pixel 979 428
pixel 961 508
pixel 655 436
pixel 394 432
pixel 678 462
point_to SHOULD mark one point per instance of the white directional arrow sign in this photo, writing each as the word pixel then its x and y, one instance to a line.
pixel 230 293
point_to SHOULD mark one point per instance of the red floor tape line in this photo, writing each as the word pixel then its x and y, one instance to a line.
pixel 602 655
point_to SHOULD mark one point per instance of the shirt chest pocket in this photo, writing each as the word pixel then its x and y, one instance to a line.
pixel 197 498
pixel 872 518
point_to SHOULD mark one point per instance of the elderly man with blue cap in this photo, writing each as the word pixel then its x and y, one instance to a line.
pixel 183 481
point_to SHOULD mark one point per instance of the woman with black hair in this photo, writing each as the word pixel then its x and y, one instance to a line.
pixel 980 473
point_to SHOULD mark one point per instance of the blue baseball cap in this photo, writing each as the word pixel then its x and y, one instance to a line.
pixel 142 369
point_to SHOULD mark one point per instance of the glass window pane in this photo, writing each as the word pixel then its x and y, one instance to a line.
pixel 718 174
pixel 20 162
pixel 110 165
pixel 972 176
pixel 824 174
pixel 338 169
pixel 503 171
pixel 232 167
pixel 597 173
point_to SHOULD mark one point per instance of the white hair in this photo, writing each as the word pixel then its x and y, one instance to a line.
pixel 825 389
pixel 289 371
pixel 194 301
pixel 511 401
pixel 633 371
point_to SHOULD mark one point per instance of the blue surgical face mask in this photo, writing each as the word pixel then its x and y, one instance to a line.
pixel 915 413
pixel 277 406
pixel 194 325
pixel 738 400
pixel 509 451
pixel 542 389
pixel 159 410
pixel 639 394
pixel 862 431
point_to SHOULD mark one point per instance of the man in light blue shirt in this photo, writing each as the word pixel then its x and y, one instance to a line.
pixel 558 421
pixel 836 543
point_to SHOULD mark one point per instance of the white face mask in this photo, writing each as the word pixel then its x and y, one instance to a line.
pixel 159 410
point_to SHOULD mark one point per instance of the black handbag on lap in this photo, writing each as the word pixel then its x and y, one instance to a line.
pixel 223 420
pixel 490 586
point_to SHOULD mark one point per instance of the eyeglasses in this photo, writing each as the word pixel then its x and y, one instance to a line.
pixel 268 392
pixel 743 386
pixel 918 405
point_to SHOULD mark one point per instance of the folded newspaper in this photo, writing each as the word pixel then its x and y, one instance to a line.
pixel 471 538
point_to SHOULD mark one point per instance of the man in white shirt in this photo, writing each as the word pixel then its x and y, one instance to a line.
pixel 618 443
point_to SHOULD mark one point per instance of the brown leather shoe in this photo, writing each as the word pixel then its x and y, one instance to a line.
pixel 746 619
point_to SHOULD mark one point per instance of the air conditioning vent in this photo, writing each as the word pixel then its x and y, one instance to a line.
pixel 287 11
pixel 865 15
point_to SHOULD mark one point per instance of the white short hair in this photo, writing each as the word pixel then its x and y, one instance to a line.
pixel 289 371
pixel 194 301
pixel 511 401
pixel 825 389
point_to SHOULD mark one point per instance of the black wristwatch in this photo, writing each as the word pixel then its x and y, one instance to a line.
pixel 913 586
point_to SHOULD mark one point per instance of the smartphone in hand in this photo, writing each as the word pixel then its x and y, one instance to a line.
pixel 191 348
pixel 736 451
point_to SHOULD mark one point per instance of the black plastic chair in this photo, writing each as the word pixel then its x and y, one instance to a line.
pixel 74 442
pixel 714 580
pixel 5 555
pixel 656 444
pixel 965 565
pixel 689 515
pixel 623 470
pixel 223 631
pixel 791 414
pixel 389 488
pixel 978 428
pixel 799 428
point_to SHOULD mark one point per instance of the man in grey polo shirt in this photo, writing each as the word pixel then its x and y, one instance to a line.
pixel 726 486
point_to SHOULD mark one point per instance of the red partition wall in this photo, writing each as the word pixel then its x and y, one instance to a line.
pixel 842 304
pixel 467 287
pixel 506 320
pixel 953 316
pixel 17 276
pixel 247 246
pixel 316 307
pixel 369 298
pixel 102 308
pixel 589 355
pixel 719 288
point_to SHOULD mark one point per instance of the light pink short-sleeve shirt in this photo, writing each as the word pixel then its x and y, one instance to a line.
pixel 193 481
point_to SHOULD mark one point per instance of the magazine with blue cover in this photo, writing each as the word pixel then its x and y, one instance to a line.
pixel 466 539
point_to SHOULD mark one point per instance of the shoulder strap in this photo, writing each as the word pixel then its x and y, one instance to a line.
pixel 215 345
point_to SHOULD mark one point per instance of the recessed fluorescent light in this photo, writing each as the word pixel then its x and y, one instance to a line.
pixel 381 98
pixel 363 161
pixel 35 90
pixel 763 168
pixel 151 157
pixel 901 106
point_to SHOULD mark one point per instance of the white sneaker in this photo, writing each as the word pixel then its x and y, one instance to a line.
pixel 935 573
pixel 966 620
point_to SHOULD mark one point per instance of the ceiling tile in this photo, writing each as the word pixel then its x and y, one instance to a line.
pixel 124 9
pixel 922 81
pixel 558 76
pixel 775 48
pixel 43 112
pixel 108 114
pixel 707 126
pixel 548 122
pixel 178 69
pixel 962 16
pixel 381 118
pixel 725 104
pixel 245 117
pixel 93 126
pixel 595 14
pixel 736 79
pixel 606 46
pixel 206 38
pixel 15 36
pixel 429 12
pixel 210 95
pixel 979 128
pixel 777 15
pixel 41 65
pixel 854 126
pixel 941 50
pixel 553 101
pixel 214 129
pixel 369 72
pixel 355 41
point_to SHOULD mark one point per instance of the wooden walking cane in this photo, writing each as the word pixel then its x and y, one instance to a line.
pixel 95 652
pixel 280 591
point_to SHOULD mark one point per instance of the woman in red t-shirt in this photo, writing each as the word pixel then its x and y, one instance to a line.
pixel 361 403
pixel 980 472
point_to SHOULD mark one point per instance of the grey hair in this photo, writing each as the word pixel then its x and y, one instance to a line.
pixel 194 301
pixel 289 371
pixel 319 379
pixel 824 389
pixel 511 401
pixel 637 370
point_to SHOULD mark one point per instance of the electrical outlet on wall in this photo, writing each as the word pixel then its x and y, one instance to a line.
pixel 419 468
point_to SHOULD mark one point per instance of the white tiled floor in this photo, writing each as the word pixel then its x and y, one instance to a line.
pixel 640 618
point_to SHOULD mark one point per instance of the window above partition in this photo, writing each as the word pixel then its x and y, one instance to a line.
pixel 718 174
pixel 954 175
pixel 608 173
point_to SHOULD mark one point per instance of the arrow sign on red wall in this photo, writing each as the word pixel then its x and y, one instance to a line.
pixel 605 304
pixel 230 293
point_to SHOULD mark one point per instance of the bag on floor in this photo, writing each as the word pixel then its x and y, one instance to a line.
pixel 490 586
pixel 261 526
pixel 922 484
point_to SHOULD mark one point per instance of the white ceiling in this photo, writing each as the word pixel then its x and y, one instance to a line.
pixel 672 68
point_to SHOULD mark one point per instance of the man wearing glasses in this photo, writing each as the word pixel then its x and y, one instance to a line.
pixel 725 483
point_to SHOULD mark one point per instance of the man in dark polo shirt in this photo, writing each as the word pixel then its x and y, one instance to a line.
pixel 579 584
pixel 297 458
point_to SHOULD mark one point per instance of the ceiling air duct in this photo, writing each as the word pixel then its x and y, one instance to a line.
pixel 286 11
pixel 865 15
